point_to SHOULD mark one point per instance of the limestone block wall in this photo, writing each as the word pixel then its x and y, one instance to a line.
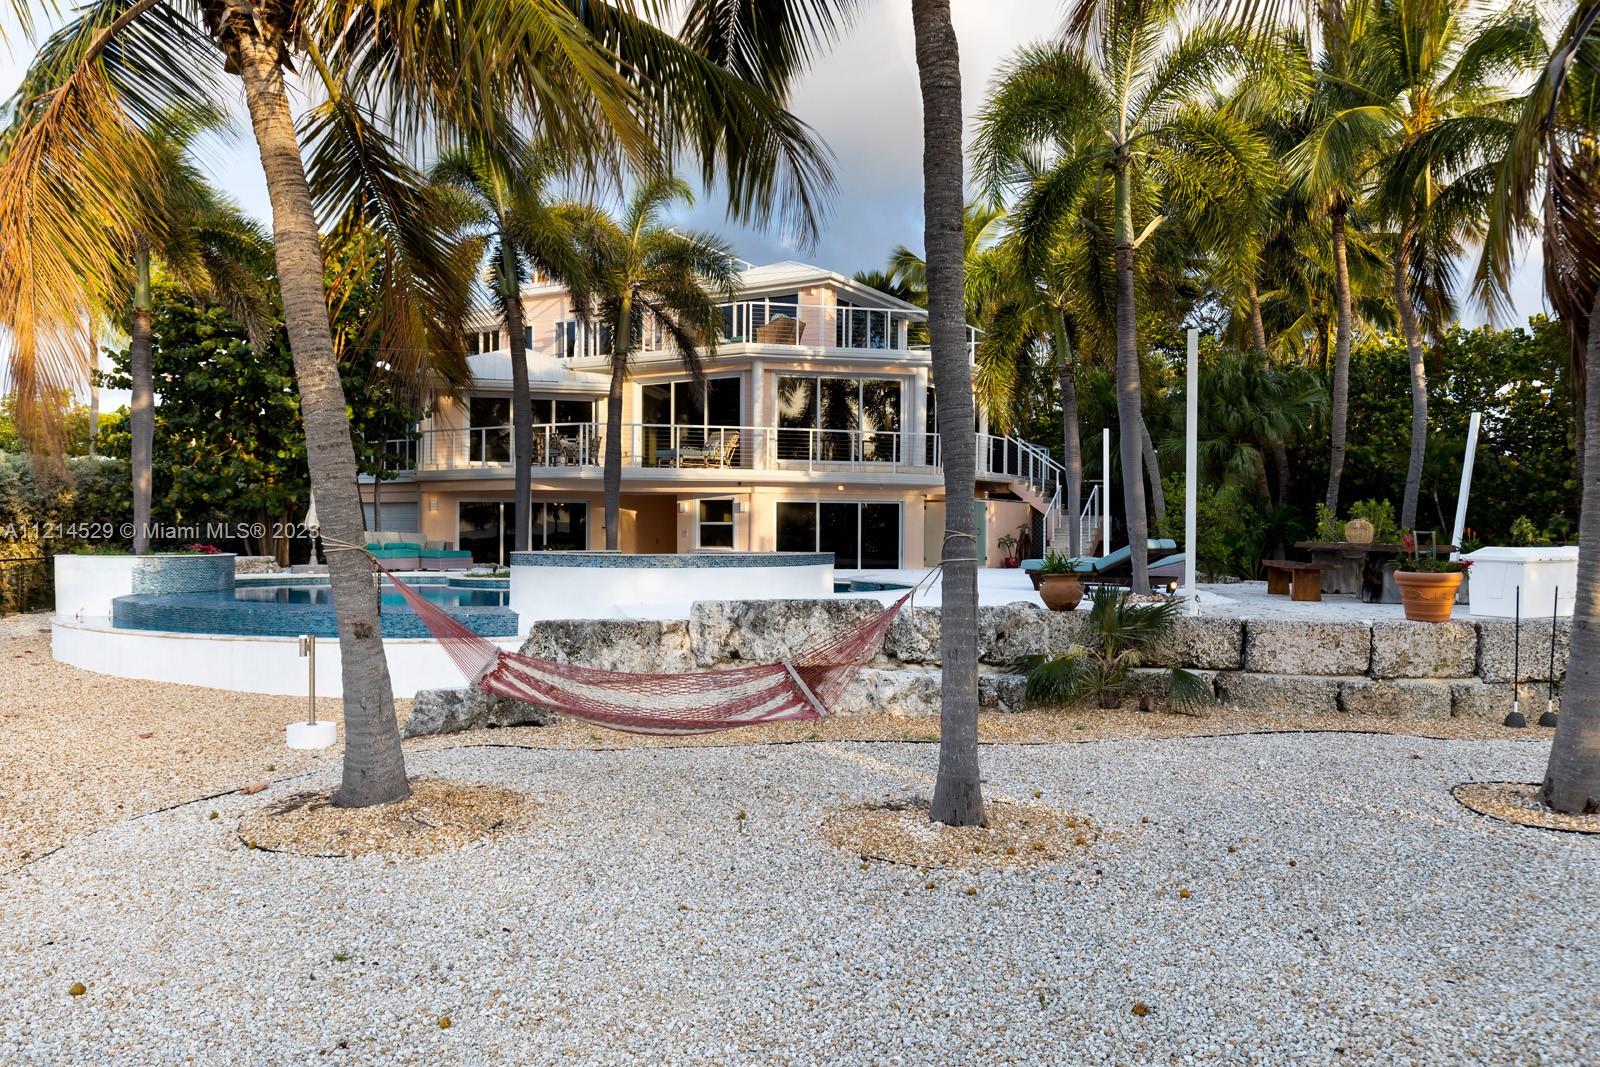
pixel 1414 670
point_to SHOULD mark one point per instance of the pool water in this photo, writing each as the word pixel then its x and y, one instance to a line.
pixel 862 585
pixel 443 595
pixel 288 608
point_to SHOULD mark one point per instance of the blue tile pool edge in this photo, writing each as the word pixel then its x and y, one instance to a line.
pixel 198 613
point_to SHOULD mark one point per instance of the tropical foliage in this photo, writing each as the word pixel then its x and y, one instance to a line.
pixel 1121 636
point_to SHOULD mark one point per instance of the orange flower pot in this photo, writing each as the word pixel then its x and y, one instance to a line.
pixel 1061 592
pixel 1428 597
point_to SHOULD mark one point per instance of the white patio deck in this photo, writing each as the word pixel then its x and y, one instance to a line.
pixel 1248 600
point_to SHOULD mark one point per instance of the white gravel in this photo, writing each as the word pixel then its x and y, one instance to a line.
pixel 640 921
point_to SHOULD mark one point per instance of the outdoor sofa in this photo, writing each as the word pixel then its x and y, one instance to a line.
pixel 395 550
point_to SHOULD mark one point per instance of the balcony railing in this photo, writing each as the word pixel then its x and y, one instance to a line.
pixel 654 445
pixel 657 446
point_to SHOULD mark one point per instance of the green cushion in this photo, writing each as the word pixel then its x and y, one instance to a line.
pixel 445 553
pixel 394 553
pixel 404 547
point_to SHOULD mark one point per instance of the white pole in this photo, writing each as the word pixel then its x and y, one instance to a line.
pixel 1105 492
pixel 1191 474
pixel 1466 481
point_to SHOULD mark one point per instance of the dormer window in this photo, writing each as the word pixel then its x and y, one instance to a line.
pixel 481 341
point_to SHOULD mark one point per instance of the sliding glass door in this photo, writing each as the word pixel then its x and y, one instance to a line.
pixel 485 528
pixel 861 536
pixel 839 420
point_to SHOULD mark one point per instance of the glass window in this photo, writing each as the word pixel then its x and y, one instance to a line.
pixel 716 524
pixel 489 440
pixel 559 526
pixel 880 420
pixel 797 417
pixel 842 420
pixel 839 532
pixel 860 536
pixel 574 412
pixel 797 527
pixel 880 536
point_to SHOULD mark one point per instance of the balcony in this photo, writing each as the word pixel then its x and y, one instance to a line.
pixel 770 322
pixel 559 447
pixel 578 449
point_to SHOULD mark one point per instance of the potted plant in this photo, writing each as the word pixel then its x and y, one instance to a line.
pixel 1008 545
pixel 1059 586
pixel 1120 636
pixel 1428 585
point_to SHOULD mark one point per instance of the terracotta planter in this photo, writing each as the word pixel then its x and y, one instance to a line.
pixel 1061 592
pixel 1428 597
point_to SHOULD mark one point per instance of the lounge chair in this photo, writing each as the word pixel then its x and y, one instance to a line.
pixel 1114 566
pixel 718 451
pixel 443 556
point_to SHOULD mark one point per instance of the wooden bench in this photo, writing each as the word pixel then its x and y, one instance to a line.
pixel 1299 581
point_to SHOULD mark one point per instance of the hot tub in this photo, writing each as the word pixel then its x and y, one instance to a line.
pixel 613 585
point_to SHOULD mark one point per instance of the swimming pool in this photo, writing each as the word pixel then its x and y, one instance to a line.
pixel 288 607
pixel 444 595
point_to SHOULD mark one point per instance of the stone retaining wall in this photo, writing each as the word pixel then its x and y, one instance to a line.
pixel 1417 670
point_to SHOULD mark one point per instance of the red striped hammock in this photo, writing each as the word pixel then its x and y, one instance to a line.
pixel 805 687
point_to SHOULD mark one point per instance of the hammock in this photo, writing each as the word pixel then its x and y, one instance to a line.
pixel 795 690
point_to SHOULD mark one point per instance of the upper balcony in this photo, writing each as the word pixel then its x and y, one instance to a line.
pixel 726 453
pixel 843 330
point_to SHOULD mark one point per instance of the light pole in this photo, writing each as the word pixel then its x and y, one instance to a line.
pixel 1191 472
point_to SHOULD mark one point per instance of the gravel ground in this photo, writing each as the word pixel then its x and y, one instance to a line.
pixel 1342 908
pixel 82 751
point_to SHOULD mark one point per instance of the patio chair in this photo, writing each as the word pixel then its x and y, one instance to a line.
pixel 781 330
pixel 717 452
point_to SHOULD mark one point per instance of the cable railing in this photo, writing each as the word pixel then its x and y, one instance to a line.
pixel 662 445
pixel 785 322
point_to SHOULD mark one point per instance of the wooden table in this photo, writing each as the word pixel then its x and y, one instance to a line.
pixel 1353 567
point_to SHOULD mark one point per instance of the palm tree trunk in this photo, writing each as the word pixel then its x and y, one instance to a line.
pixel 1340 406
pixel 1071 441
pixel 141 405
pixel 1572 778
pixel 1258 328
pixel 622 334
pixel 958 790
pixel 1130 416
pixel 521 398
pixel 1280 461
pixel 374 766
pixel 1152 466
pixel 1419 377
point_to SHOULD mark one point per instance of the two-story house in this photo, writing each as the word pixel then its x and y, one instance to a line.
pixel 816 431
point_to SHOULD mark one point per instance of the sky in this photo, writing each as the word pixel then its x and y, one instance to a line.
pixel 862 98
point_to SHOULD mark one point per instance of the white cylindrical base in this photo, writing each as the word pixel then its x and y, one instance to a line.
pixel 311 734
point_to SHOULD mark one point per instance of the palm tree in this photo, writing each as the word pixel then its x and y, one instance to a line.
pixel 1555 151
pixel 982 225
pixel 778 36
pixel 642 274
pixel 1447 120
pixel 1340 125
pixel 1026 315
pixel 504 210
pixel 1252 408
pixel 1121 104
pixel 958 789
pixel 598 81
pixel 202 242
